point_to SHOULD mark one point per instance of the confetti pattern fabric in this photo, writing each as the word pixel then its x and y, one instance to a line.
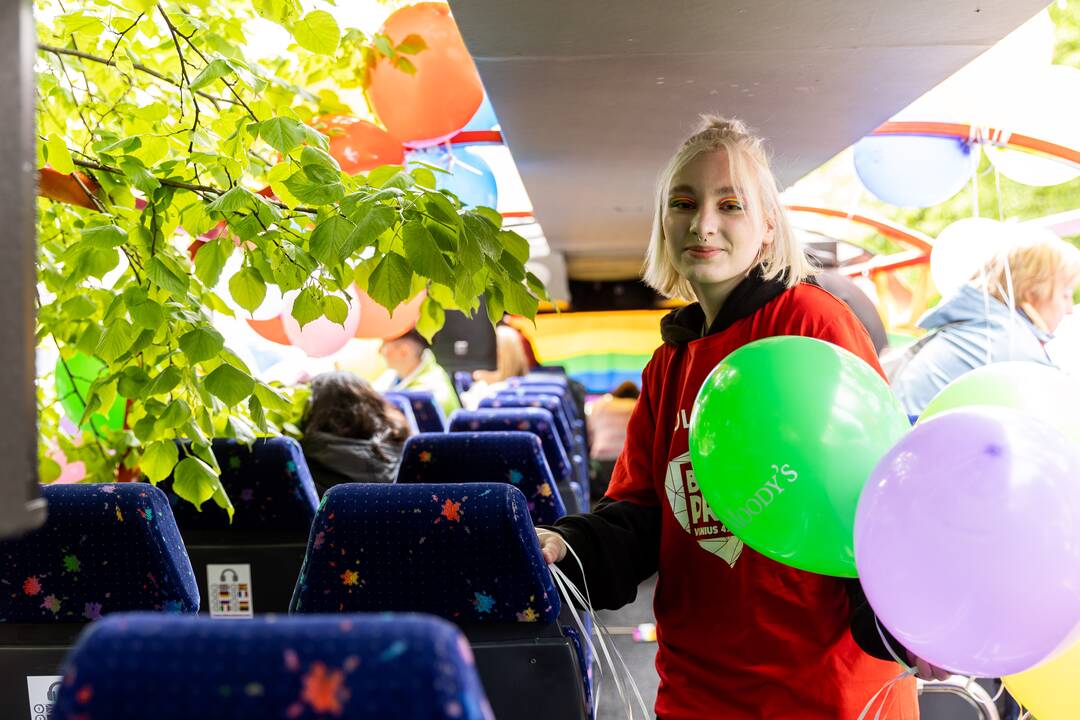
pixel 104 548
pixel 466 552
pixel 516 458
pixel 269 484
pixel 535 420
pixel 407 667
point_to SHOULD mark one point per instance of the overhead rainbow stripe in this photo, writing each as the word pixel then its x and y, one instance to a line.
pixel 599 349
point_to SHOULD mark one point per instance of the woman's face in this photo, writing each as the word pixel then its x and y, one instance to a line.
pixel 711 238
pixel 1060 303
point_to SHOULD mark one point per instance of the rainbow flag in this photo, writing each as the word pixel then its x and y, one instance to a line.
pixel 598 349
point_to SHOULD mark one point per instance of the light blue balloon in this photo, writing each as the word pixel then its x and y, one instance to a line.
pixel 485 118
pixel 470 178
pixel 913 170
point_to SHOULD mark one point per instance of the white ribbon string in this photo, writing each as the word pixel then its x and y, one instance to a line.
pixel 887 688
pixel 620 673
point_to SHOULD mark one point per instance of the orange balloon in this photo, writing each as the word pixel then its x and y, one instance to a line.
pixel 431 106
pixel 65 188
pixel 272 329
pixel 376 322
pixel 361 146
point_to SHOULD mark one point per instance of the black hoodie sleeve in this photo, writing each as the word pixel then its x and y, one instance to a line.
pixel 619 547
pixel 864 626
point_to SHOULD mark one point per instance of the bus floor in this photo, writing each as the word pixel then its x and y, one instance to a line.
pixel 640 656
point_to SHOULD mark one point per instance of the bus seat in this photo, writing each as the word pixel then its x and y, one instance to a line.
pixel 510 457
pixel 250 565
pixel 140 665
pixel 405 407
pixel 429 415
pixel 104 548
pixel 539 422
pixel 466 552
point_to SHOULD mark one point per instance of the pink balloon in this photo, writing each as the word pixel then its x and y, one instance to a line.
pixel 70 472
pixel 322 337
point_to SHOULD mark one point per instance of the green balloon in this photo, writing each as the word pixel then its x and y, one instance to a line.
pixel 1040 390
pixel 73 380
pixel 784 434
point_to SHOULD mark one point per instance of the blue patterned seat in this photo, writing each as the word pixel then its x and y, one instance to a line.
pixel 104 548
pixel 403 404
pixel 269 485
pixel 511 457
pixel 466 552
pixel 407 667
pixel 535 420
pixel 275 499
pixel 479 558
pixel 429 415
pixel 462 381
pixel 535 388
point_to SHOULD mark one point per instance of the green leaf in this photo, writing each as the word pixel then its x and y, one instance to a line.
pixel 248 288
pixel 282 133
pixel 404 65
pixel 314 156
pixel 230 385
pixel 517 246
pixel 382 44
pixel 304 189
pixel 431 318
pixel 411 45
pixel 200 344
pixel 195 481
pixel 158 460
pixel 390 281
pixel 238 198
pixel 329 240
pixel 164 273
pixel 519 301
pixel 176 414
pixel 48 470
pixel 141 178
pixel 490 215
pixel 210 260
pixel 104 236
pixel 258 414
pixel 536 286
pixel 318 32
pixel 79 306
pixel 279 11
pixel 371 221
pixel 494 305
pixel 132 382
pixel 424 254
pixel 147 314
pixel 307 306
pixel 166 380
pixel 115 342
pixel 441 208
pixel 216 69
pixel 58 154
pixel 424 177
pixel 482 231
pixel 335 309
pixel 377 177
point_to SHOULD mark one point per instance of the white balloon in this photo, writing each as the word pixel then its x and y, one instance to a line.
pixel 964 247
pixel 1045 106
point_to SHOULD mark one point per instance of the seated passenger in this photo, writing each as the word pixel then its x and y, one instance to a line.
pixel 351 433
pixel 974 327
pixel 511 361
pixel 606 420
pixel 413 367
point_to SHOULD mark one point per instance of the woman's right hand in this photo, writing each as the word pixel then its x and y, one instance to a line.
pixel 552 545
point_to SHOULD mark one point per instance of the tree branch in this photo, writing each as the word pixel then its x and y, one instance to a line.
pixel 141 68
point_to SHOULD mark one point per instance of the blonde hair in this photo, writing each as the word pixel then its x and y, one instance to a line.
pixel 756 188
pixel 510 354
pixel 1034 265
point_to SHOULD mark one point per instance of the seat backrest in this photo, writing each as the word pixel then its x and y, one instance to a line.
pixel 268 483
pixel 462 381
pixel 465 552
pixel 560 391
pixel 412 667
pixel 538 421
pixel 428 413
pixel 510 457
pixel 551 403
pixel 403 404
pixel 104 548
pixel 548 371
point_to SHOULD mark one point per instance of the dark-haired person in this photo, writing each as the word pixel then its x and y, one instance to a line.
pixel 351 433
pixel 413 367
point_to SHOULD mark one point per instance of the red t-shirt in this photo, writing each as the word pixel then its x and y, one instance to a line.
pixel 740 635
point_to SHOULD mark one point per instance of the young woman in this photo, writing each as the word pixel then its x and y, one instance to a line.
pixel 351 433
pixel 740 636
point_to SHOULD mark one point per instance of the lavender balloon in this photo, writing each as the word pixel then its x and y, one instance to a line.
pixel 967 541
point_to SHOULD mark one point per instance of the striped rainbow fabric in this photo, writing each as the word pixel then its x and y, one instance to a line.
pixel 599 349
